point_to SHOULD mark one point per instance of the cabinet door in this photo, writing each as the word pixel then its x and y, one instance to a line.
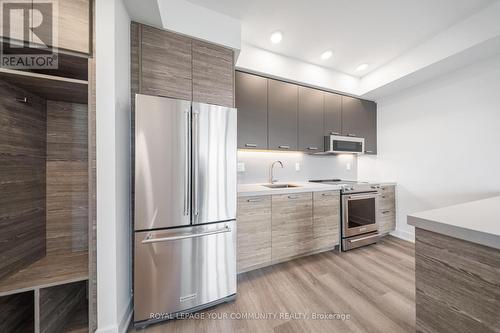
pixel 311 120
pixel 291 225
pixel 254 232
pixel 73 30
pixel 282 115
pixel 251 102
pixel 165 64
pixel 359 119
pixel 387 209
pixel 213 74
pixel 333 114
pixel 326 220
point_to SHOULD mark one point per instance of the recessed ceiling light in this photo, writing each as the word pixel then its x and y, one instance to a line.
pixel 326 55
pixel 276 37
pixel 362 67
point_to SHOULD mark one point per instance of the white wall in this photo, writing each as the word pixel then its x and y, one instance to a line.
pixel 113 165
pixel 440 141
pixel 311 167
pixel 271 64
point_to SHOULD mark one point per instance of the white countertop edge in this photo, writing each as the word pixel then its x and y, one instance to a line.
pixel 450 230
pixel 251 190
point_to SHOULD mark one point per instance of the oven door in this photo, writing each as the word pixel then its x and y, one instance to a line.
pixel 359 214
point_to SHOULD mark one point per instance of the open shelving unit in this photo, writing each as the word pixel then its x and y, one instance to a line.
pixel 46 184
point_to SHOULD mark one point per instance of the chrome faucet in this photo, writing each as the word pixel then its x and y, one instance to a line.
pixel 271 172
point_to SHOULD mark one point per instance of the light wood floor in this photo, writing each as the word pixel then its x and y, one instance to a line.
pixel 374 285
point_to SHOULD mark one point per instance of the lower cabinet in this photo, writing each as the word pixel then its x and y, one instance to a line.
pixel 291 225
pixel 275 228
pixel 254 232
pixel 326 220
pixel 387 209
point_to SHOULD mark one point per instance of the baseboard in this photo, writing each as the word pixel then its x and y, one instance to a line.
pixel 124 323
pixel 404 235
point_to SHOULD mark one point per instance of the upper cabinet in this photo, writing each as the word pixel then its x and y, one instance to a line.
pixel 359 119
pixel 165 64
pixel 277 115
pixel 311 120
pixel 213 74
pixel 73 26
pixel 333 114
pixel 282 115
pixel 172 65
pixel 251 101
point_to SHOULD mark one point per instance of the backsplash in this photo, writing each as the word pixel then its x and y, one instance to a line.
pixel 257 165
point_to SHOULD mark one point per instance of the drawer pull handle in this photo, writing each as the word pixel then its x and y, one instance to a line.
pixel 284 147
pixel 254 200
pixel 251 145
pixel 293 197
pixel 369 151
pixel 328 195
pixel 312 148
pixel 351 134
pixel 386 212
pixel 334 133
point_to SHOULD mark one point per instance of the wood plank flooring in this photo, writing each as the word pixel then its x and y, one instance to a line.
pixel 374 286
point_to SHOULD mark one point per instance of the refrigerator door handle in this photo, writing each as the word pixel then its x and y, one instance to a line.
pixel 149 240
pixel 187 162
pixel 195 161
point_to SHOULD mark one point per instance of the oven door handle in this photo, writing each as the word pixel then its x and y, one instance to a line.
pixel 360 197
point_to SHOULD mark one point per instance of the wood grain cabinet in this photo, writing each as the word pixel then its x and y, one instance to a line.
pixel 326 220
pixel 282 115
pixel 387 209
pixel 292 225
pixel 73 26
pixel 213 74
pixel 254 232
pixel 359 119
pixel 251 101
pixel 165 64
pixel 333 114
pixel 311 120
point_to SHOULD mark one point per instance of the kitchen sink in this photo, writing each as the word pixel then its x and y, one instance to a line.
pixel 280 186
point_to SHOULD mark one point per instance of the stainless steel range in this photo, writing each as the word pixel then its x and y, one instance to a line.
pixel 359 205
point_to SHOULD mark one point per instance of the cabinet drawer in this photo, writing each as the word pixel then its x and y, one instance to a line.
pixel 291 225
pixel 387 189
pixel 326 219
pixel 386 220
pixel 254 232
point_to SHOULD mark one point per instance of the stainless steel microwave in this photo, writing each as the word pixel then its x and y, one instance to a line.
pixel 336 144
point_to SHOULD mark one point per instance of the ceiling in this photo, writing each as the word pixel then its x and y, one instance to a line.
pixel 357 31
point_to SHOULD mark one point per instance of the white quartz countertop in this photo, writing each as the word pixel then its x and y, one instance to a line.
pixel 476 221
pixel 249 190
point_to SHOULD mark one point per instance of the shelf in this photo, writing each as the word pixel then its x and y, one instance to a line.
pixel 49 271
pixel 48 86
pixel 79 322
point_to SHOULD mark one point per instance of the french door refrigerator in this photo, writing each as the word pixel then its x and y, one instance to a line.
pixel 184 207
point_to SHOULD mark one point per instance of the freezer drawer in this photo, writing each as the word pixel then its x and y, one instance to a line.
pixel 182 268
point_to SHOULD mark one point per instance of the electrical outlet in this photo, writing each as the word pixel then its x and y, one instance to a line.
pixel 297 166
pixel 348 166
pixel 241 167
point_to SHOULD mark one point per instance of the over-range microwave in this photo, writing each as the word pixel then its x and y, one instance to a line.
pixel 336 144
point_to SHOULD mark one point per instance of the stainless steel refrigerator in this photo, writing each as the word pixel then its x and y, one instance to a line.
pixel 185 207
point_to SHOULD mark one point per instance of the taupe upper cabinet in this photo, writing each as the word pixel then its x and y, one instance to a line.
pixel 165 64
pixel 311 120
pixel 359 119
pixel 333 114
pixel 251 101
pixel 73 27
pixel 213 74
pixel 282 115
